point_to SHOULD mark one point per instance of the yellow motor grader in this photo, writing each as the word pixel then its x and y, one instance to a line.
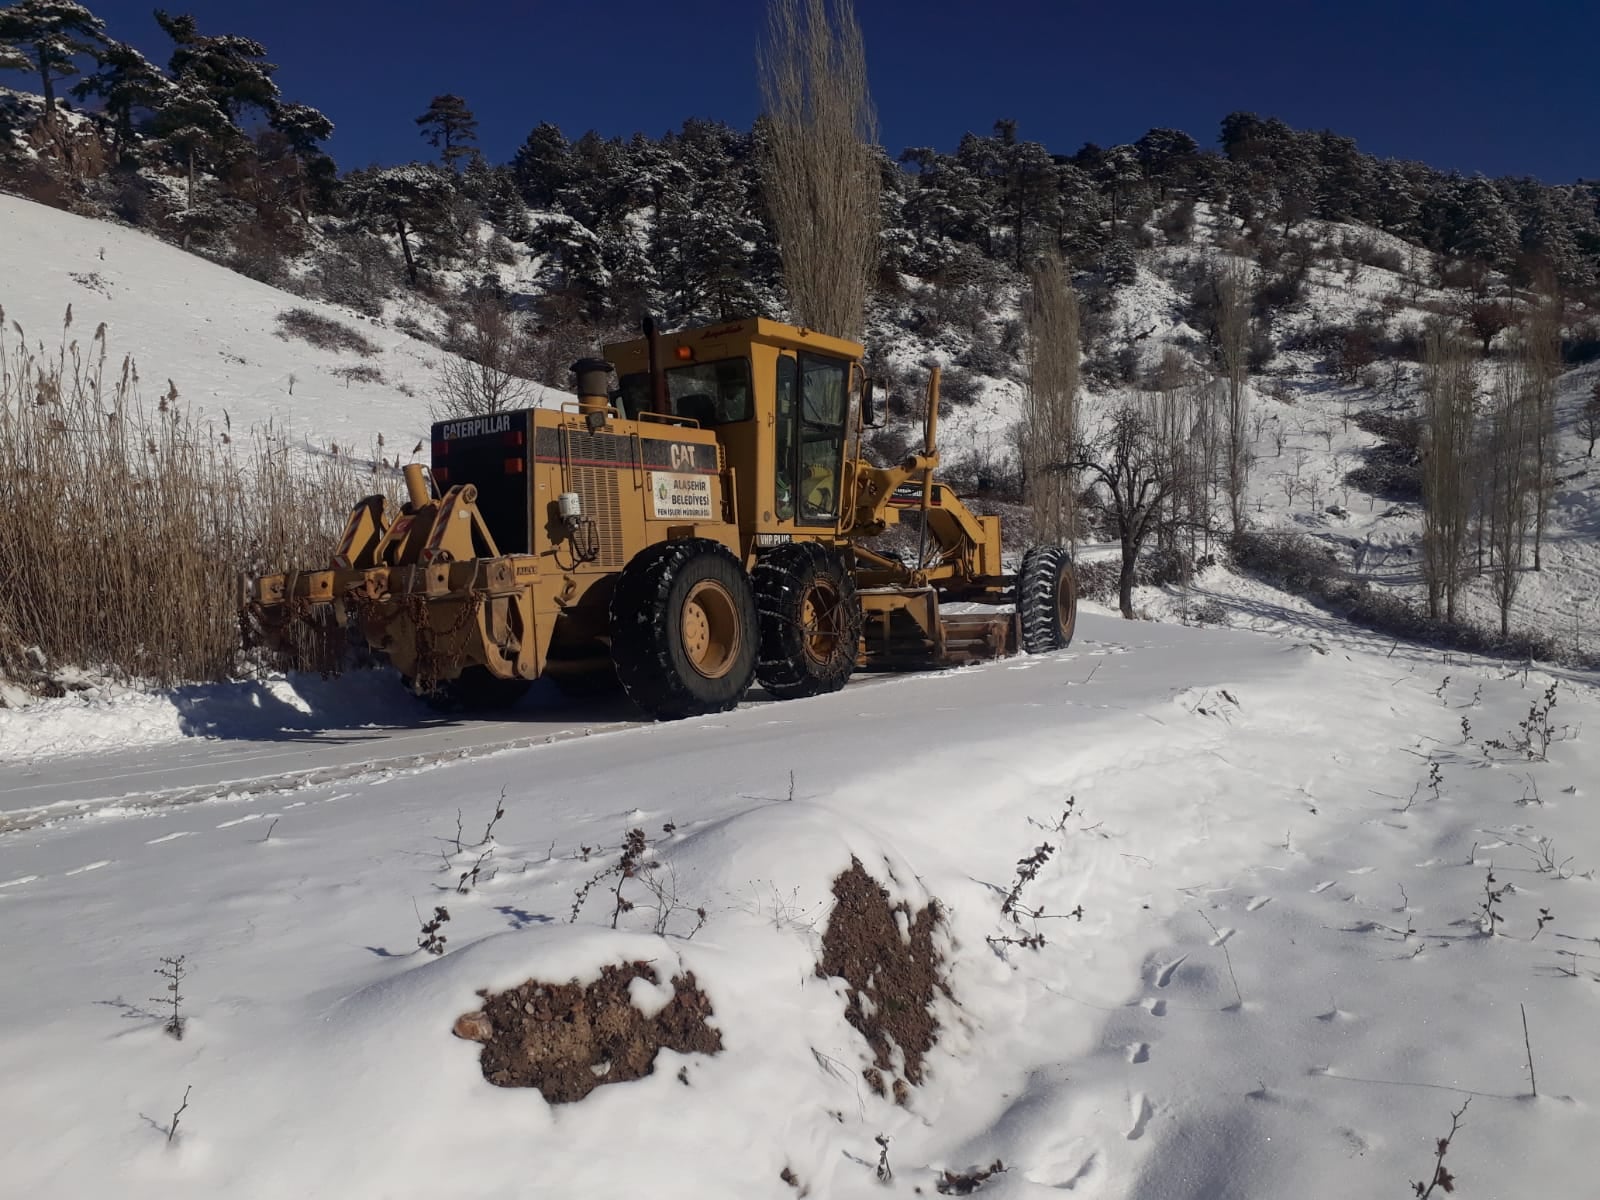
pixel 699 527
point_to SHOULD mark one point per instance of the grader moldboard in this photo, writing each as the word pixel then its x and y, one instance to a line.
pixel 701 527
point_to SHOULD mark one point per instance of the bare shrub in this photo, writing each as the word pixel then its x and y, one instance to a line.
pixel 359 373
pixel 490 368
pixel 323 332
pixel 159 514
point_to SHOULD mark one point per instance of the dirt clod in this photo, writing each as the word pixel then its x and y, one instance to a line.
pixel 567 1039
pixel 893 979
pixel 964 1183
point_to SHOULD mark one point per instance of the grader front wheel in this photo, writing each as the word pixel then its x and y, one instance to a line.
pixel 1047 599
pixel 683 629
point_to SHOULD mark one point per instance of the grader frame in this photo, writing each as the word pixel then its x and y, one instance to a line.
pixel 704 523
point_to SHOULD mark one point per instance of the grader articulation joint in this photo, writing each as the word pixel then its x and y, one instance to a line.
pixel 703 526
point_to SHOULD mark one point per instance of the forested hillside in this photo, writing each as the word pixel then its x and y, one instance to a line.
pixel 1286 307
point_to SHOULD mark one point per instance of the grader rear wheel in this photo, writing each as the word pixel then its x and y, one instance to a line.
pixel 683 629
pixel 810 621
pixel 1047 599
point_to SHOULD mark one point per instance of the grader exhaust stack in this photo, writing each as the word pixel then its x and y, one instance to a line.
pixel 708 525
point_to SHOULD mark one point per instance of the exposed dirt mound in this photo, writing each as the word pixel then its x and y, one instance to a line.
pixel 567 1039
pixel 893 977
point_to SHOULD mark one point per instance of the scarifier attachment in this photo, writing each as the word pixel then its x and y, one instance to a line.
pixel 436 565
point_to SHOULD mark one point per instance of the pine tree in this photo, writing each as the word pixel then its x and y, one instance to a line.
pixel 196 131
pixel 1487 232
pixel 542 165
pixel 1166 156
pixel 408 200
pixel 304 129
pixel 450 127
pixel 127 84
pixel 230 71
pixel 47 36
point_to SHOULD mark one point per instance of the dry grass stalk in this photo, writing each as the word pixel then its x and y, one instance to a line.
pixel 128 528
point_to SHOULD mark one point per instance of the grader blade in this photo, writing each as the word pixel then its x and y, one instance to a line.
pixel 904 630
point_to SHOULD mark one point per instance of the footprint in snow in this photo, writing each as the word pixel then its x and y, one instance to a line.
pixel 169 837
pixel 1322 887
pixel 1257 902
pixel 1164 974
pixel 1361 870
pixel 94 866
pixel 1156 1008
pixel 1138 1052
pixel 1070 1174
pixel 1222 936
pixel 1142 1112
pixel 19 881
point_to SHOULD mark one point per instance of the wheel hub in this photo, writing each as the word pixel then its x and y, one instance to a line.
pixel 710 629
pixel 820 617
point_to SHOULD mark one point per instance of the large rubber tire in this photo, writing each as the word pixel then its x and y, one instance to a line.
pixel 810 621
pixel 1047 599
pixel 474 691
pixel 683 629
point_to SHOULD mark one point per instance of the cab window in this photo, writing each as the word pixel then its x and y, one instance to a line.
pixel 813 403
pixel 712 393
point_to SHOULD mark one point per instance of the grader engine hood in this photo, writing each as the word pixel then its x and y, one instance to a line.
pixel 491 452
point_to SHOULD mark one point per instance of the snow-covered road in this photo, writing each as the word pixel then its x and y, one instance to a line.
pixel 1278 985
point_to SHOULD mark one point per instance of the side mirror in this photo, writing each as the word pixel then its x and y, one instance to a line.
pixel 869 404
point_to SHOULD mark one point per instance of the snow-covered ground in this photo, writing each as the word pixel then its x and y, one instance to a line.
pixel 1279 984
pixel 210 331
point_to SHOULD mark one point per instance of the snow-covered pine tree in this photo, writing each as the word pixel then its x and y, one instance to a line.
pixel 305 129
pixel 231 71
pixel 542 165
pixel 48 36
pixel 1487 233
pixel 130 88
pixel 403 201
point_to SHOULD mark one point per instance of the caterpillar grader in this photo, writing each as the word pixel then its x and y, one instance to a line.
pixel 701 526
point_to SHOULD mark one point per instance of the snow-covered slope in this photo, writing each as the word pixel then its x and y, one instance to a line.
pixel 212 332
pixel 1280 983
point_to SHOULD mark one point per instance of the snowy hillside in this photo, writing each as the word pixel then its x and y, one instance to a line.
pixel 212 332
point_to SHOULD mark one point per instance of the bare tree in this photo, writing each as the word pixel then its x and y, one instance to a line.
pixel 1446 462
pixel 1510 463
pixel 1589 419
pixel 1131 473
pixel 1233 347
pixel 1542 350
pixel 820 176
pixel 1051 406
pixel 488 372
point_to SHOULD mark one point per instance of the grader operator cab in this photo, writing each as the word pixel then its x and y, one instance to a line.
pixel 700 526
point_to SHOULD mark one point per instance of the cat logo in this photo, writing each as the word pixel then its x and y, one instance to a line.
pixel 683 457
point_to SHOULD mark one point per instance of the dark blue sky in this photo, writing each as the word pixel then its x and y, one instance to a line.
pixel 1498 88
